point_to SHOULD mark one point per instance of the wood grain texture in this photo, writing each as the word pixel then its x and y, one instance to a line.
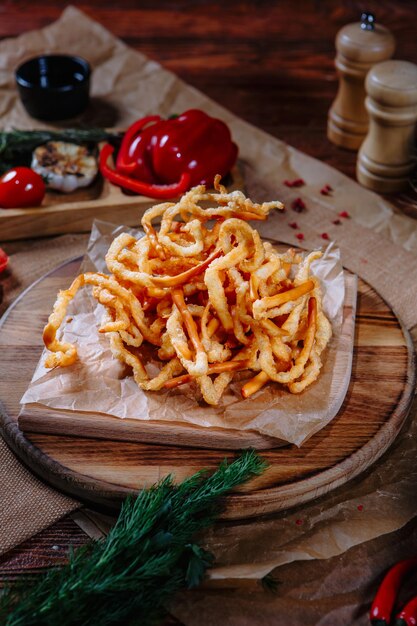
pixel 75 212
pixel 46 549
pixel 103 471
pixel 38 420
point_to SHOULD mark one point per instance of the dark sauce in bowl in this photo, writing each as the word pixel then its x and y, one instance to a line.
pixel 54 87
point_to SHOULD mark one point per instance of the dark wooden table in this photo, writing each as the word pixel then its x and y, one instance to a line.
pixel 270 62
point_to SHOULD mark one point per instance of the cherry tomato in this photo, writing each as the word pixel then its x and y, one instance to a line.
pixel 21 187
pixel 4 259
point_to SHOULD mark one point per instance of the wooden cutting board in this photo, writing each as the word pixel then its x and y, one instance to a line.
pixel 334 381
pixel 103 471
pixel 75 212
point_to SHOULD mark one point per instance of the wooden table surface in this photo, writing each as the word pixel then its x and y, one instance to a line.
pixel 270 62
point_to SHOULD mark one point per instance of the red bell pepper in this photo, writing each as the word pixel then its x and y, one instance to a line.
pixel 133 157
pixel 163 158
pixel 4 260
pixel 161 192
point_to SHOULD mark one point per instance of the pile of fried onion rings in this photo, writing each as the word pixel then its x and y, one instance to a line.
pixel 210 296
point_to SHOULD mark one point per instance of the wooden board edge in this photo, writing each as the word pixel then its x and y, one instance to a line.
pixel 273 500
pixel 78 216
pixel 139 431
pixel 39 419
pixel 108 497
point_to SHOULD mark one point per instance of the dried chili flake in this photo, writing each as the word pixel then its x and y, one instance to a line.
pixel 325 236
pixel 299 522
pixel 360 507
pixel 297 182
pixel 293 224
pixel 344 214
pixel 337 222
pixel 326 190
pixel 298 205
pixel 300 236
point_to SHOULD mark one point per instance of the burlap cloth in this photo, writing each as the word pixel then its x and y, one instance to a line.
pixel 27 505
pixel 376 242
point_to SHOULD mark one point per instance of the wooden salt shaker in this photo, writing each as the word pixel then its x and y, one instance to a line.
pixel 387 156
pixel 359 46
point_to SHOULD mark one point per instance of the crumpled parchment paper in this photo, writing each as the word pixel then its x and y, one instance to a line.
pixel 97 382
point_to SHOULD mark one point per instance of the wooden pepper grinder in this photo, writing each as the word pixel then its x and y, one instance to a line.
pixel 387 156
pixel 359 46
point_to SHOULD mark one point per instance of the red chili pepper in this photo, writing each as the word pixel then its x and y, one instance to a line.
pixel 293 224
pixel 337 222
pixel 300 236
pixel 170 156
pixel 383 603
pixel 4 259
pixel 161 192
pixel 325 236
pixel 408 616
pixel 344 214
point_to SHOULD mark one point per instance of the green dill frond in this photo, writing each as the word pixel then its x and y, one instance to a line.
pixel 149 555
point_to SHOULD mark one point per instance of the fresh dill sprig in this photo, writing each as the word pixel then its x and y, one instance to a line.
pixel 148 555
pixel 16 146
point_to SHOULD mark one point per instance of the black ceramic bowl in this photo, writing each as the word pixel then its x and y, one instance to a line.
pixel 54 86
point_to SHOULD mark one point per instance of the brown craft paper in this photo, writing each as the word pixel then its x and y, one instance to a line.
pixel 97 381
pixel 376 243
pixel 337 591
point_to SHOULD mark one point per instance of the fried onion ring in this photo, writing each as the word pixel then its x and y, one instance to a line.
pixel 209 295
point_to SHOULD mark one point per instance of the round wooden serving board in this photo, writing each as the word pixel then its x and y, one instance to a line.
pixel 103 471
